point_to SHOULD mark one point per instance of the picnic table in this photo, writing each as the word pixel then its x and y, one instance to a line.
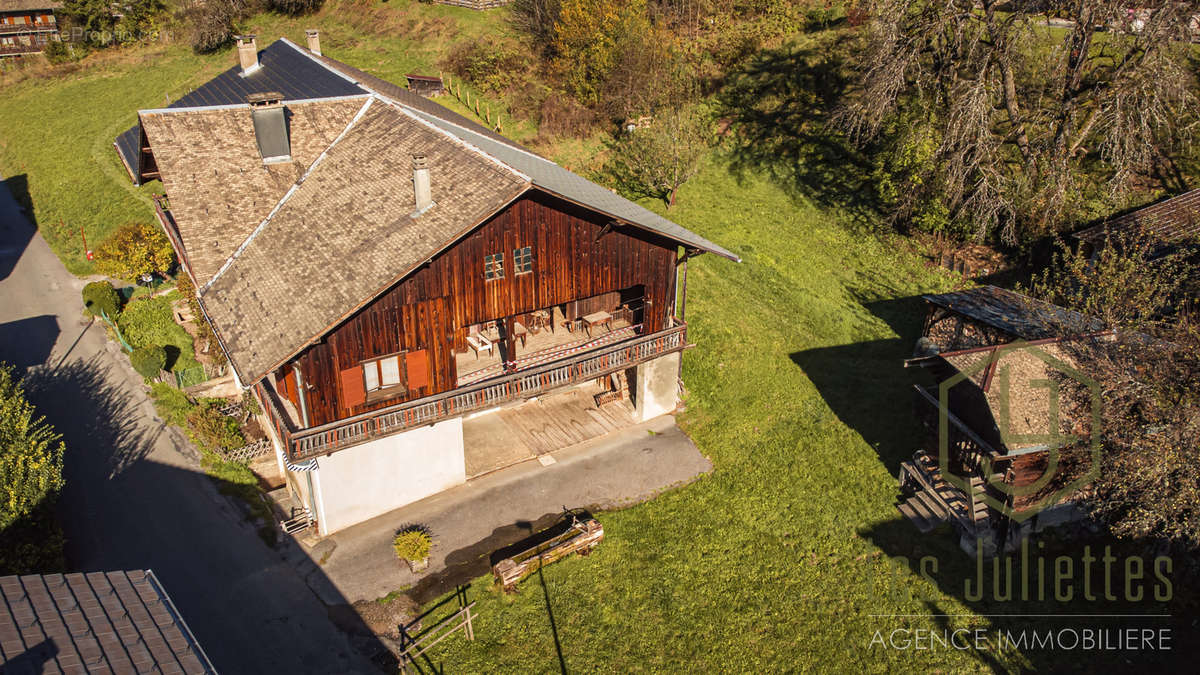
pixel 596 319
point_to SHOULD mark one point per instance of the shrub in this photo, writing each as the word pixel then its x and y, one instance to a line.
pixel 295 7
pixel 412 544
pixel 149 361
pixel 149 321
pixel 57 52
pixel 210 24
pixel 100 296
pixel 172 405
pixel 183 284
pixel 134 250
pixel 31 454
pixel 212 431
pixel 490 65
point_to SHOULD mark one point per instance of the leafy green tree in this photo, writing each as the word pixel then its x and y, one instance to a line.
pixel 31 454
pixel 587 40
pixel 100 296
pixel 149 361
pixel 134 250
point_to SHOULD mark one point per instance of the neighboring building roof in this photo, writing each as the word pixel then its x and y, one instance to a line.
pixel 284 68
pixel 26 5
pixel 1016 314
pixel 118 622
pixel 260 300
pixel 1173 220
pixel 219 186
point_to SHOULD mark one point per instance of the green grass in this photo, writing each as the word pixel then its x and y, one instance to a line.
pixel 149 321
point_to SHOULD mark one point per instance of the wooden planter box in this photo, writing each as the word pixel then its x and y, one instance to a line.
pixel 580 537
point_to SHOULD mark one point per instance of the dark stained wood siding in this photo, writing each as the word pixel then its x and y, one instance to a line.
pixel 432 308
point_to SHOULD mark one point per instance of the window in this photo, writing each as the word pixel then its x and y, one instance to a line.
pixel 381 373
pixel 493 266
pixel 523 259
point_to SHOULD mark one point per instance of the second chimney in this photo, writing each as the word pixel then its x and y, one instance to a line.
pixel 314 41
pixel 421 187
pixel 247 48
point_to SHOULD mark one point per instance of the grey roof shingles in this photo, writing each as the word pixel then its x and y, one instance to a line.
pixel 120 622
pixel 283 68
pixel 252 298
pixel 1172 220
pixel 333 232
pixel 1018 315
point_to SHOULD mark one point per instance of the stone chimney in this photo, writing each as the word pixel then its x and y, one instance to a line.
pixel 422 190
pixel 247 48
pixel 314 41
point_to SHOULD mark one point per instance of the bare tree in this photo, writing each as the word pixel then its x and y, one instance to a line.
pixel 1026 116
pixel 656 160
pixel 1149 482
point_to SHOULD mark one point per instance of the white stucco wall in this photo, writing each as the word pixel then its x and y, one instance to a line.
pixel 367 480
pixel 657 385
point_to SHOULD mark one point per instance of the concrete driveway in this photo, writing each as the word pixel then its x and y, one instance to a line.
pixel 135 495
pixel 471 521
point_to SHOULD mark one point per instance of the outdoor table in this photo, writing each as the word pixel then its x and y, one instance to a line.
pixel 595 319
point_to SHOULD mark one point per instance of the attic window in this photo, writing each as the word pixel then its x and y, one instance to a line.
pixel 270 127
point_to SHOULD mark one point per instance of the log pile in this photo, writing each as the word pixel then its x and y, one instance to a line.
pixel 581 537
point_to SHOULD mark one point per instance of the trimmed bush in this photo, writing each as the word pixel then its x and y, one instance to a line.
pixel 149 361
pixel 134 250
pixel 101 296
pixel 412 544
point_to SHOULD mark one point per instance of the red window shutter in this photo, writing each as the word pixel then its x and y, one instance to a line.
pixel 353 391
pixel 417 364
pixel 283 384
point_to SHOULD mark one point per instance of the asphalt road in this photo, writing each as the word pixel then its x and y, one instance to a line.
pixel 135 496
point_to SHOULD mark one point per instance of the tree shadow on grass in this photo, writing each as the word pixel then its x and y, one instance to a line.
pixel 866 384
pixel 779 105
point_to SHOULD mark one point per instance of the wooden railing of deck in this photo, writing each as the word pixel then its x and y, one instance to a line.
pixel 302 444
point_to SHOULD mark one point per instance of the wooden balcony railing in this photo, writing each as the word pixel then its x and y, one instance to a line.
pixel 9 28
pixel 302 444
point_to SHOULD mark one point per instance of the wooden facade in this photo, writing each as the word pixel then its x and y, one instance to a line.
pixel 425 318
pixel 26 31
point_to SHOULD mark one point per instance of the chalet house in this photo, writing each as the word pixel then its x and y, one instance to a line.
pixel 378 268
pixel 1005 430
pixel 26 26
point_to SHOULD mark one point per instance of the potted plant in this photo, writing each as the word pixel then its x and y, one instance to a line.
pixel 412 545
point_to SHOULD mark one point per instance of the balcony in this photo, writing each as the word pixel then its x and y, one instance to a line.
pixel 38 27
pixel 303 444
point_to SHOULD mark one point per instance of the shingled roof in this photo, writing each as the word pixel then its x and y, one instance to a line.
pixel 545 174
pixel 27 5
pixel 112 622
pixel 1172 220
pixel 1018 315
pixel 256 298
pixel 284 68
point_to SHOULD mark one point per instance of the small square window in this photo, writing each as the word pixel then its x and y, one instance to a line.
pixel 493 266
pixel 523 259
